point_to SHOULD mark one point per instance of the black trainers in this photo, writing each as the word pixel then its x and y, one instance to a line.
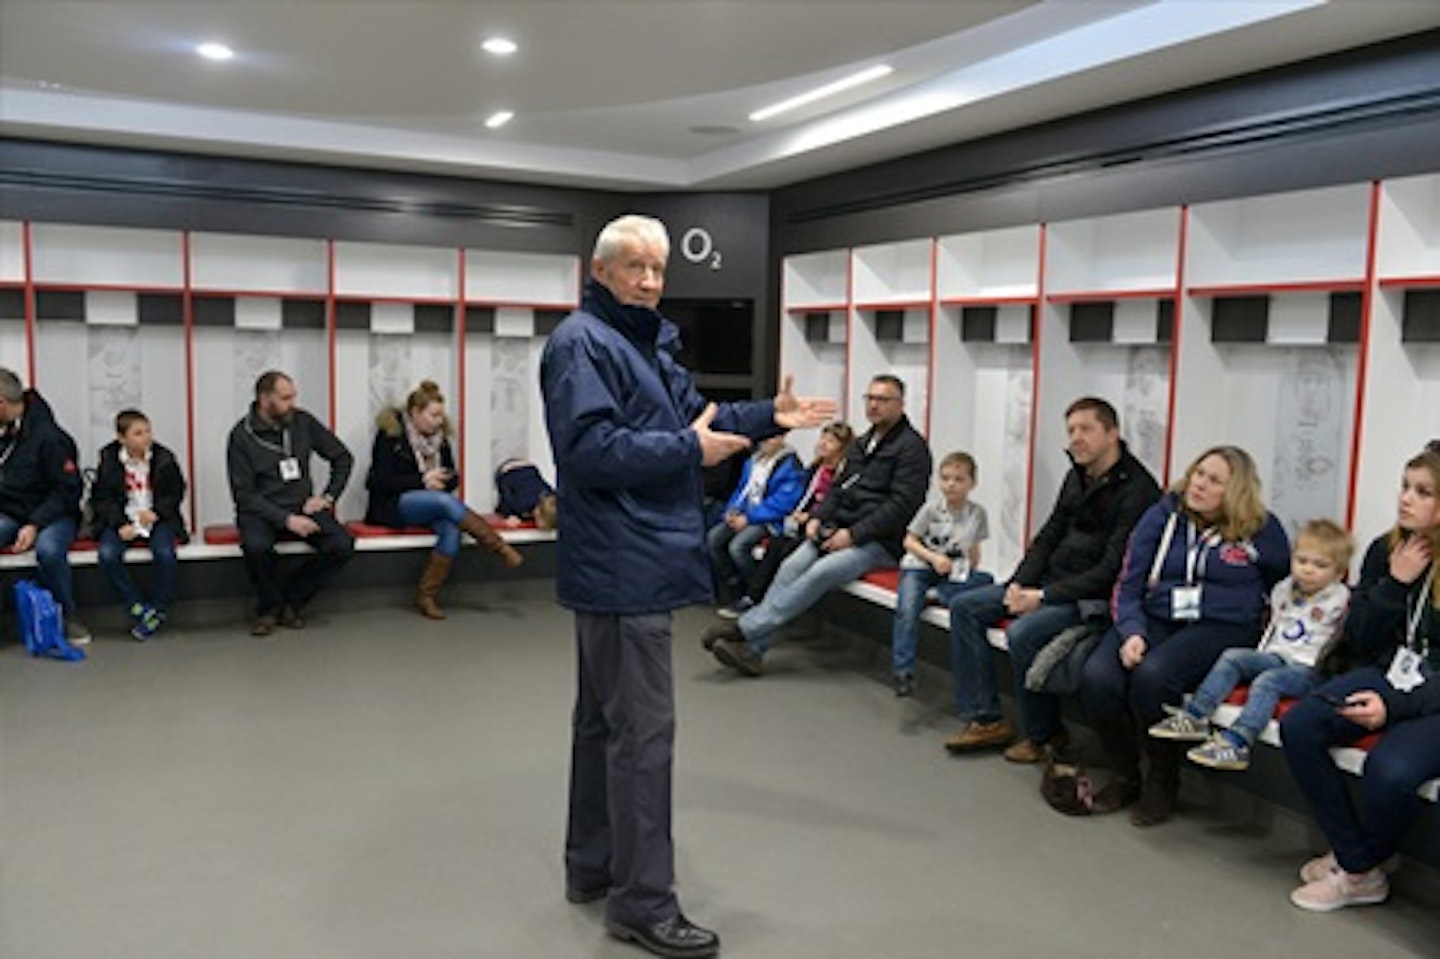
pixel 904 685
pixel 736 654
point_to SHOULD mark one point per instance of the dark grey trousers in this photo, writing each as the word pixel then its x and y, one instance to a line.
pixel 623 744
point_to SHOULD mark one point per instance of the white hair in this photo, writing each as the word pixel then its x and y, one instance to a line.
pixel 630 228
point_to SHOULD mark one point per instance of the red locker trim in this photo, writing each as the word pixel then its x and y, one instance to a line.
pixel 187 320
pixel 1178 319
pixel 1362 370
pixel 27 245
pixel 460 391
pixel 1035 326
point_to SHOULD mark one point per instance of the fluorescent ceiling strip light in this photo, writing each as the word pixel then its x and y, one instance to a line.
pixel 498 120
pixel 820 93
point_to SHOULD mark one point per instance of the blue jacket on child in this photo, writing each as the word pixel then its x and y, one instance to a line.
pixel 1234 577
pixel 618 407
pixel 782 492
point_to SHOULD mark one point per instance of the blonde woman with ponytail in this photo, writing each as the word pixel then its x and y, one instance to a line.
pixel 412 482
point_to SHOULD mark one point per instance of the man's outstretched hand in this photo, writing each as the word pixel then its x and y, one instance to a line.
pixel 798 412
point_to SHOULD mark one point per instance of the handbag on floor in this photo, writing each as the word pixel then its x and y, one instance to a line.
pixel 1067 788
pixel 41 628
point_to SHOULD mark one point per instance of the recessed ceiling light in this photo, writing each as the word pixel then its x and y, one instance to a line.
pixel 497 120
pixel 500 46
pixel 819 93
pixel 215 51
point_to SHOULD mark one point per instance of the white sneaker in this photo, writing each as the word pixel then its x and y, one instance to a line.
pixel 76 632
pixel 1339 889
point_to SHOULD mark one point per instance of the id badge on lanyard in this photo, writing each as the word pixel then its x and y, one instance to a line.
pixel 1185 600
pixel 1406 669
pixel 289 469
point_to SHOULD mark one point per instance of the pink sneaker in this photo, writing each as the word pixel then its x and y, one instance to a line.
pixel 1318 868
pixel 1339 889
pixel 1321 866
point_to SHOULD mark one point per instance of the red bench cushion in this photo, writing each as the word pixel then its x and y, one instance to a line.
pixel 361 530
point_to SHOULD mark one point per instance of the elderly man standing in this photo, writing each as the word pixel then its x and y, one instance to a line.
pixel 269 464
pixel 630 434
pixel 39 492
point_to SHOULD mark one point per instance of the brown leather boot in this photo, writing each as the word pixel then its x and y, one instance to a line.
pixel 437 570
pixel 485 535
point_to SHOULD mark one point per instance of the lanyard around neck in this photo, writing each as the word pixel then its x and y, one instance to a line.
pixel 1413 616
pixel 283 449
pixel 1195 549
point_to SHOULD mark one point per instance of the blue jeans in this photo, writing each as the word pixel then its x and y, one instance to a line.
pixel 1406 756
pixel 805 576
pixel 437 509
pixel 162 551
pixel 909 603
pixel 972 660
pixel 1271 676
pixel 52 556
pixel 730 553
pixel 1178 657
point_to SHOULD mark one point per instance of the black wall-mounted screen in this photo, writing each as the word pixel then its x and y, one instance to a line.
pixel 716 335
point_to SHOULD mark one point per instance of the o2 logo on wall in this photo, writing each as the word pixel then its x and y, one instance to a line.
pixel 697 247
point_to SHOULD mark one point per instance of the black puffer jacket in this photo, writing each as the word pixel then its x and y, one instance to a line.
pixel 39 478
pixel 877 495
pixel 1077 553
pixel 167 483
pixel 394 471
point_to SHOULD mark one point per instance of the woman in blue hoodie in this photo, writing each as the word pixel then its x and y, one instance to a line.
pixel 1197 570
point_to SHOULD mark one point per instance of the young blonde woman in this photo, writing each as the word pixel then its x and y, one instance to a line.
pixel 412 482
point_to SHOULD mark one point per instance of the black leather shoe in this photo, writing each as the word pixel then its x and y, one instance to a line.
pixel 678 938
pixel 291 617
pixel 580 896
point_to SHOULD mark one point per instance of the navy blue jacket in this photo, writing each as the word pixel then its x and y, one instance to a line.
pixel 39 479
pixel 1234 578
pixel 618 407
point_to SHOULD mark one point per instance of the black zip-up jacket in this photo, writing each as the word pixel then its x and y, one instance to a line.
pixel 253 458
pixel 39 477
pixel 1375 627
pixel 167 487
pixel 877 495
pixel 393 469
pixel 1078 552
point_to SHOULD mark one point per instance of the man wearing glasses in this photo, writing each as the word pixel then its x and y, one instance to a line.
pixel 860 526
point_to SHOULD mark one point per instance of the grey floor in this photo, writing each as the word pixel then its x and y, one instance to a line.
pixel 381 786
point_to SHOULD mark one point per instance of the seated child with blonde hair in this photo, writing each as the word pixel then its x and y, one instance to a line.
pixel 1306 610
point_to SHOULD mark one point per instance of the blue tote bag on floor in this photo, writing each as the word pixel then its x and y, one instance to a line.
pixel 41 629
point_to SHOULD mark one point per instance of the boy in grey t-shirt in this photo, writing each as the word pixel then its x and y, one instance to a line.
pixel 942 550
